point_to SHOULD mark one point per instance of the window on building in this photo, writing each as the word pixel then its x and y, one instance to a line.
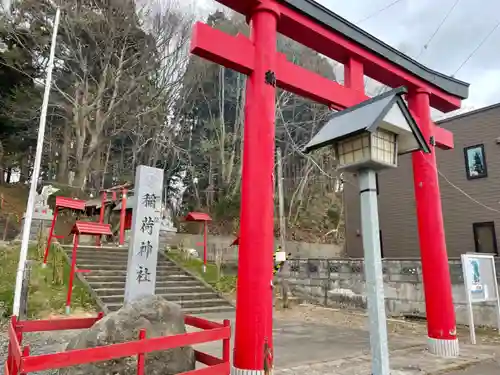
pixel 485 239
pixel 475 162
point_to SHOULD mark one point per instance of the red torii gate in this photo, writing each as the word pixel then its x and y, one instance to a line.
pixel 82 228
pixel 61 203
pixel 316 27
pixel 204 218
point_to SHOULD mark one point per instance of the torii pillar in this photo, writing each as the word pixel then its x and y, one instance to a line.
pixel 254 316
pixel 266 69
pixel 440 311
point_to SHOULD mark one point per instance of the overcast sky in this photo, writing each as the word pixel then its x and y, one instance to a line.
pixel 409 24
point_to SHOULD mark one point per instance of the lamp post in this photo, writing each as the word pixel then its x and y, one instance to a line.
pixel 36 168
pixel 367 138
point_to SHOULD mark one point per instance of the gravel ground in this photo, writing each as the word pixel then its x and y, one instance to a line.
pixel 40 343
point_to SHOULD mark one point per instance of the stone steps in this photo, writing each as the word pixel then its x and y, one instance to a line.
pixel 161 268
pixel 161 274
pixel 163 290
pixel 108 268
pixel 120 284
pixel 206 298
pixel 89 257
pixel 187 310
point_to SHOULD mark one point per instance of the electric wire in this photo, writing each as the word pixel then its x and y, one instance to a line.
pixel 378 11
pixel 476 49
pixel 433 35
pixel 346 180
pixel 461 191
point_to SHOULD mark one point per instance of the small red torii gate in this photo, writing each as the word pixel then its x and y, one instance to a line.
pixel 61 203
pixel 82 228
pixel 307 22
pixel 123 220
pixel 204 218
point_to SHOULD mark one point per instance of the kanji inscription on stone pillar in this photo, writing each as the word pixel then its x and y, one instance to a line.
pixel 144 239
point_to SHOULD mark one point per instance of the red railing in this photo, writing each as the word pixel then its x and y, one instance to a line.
pixel 20 362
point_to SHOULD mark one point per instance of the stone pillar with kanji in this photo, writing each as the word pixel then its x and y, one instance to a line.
pixel 145 234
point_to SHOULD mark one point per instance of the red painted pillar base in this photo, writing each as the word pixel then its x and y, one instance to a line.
pixel 123 213
pixel 254 307
pixel 51 235
pixel 72 271
pixel 205 245
pixel 104 197
pixel 441 326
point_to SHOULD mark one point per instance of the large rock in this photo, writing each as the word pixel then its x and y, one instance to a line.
pixel 159 317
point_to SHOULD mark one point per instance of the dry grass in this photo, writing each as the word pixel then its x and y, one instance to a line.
pixel 15 198
pixel 47 290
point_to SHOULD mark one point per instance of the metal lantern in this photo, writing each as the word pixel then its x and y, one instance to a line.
pixel 371 134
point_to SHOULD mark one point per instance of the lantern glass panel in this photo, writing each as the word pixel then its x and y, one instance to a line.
pixel 383 147
pixel 354 150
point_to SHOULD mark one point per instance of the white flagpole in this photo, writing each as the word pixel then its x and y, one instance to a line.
pixel 36 171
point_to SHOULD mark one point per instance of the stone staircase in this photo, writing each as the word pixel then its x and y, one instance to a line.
pixel 106 280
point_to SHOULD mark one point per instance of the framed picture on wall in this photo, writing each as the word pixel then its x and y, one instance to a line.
pixel 475 162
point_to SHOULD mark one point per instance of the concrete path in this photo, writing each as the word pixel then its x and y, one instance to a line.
pixel 485 368
pixel 307 345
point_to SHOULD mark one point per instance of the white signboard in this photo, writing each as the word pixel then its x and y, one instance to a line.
pixel 144 239
pixel 480 285
pixel 280 256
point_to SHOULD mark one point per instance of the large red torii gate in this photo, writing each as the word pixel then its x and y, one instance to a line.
pixel 308 23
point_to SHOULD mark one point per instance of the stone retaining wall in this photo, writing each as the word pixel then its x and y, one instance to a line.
pixel 222 244
pixel 340 283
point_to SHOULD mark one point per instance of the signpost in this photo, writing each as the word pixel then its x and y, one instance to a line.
pixel 480 285
pixel 144 241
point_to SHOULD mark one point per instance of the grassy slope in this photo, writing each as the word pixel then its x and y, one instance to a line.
pixel 46 296
pixel 223 284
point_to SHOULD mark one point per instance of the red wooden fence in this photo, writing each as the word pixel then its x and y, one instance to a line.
pixel 20 362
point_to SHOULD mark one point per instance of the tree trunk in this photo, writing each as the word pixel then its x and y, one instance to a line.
pixel 1 164
pixel 81 173
pixel 9 175
pixel 25 168
pixel 105 168
pixel 62 172
pixel 96 169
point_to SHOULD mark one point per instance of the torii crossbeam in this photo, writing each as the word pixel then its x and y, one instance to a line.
pixel 314 26
pixel 238 53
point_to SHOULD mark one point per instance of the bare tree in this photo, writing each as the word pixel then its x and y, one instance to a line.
pixel 119 73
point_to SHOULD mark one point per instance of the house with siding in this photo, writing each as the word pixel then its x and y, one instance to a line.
pixel 469 177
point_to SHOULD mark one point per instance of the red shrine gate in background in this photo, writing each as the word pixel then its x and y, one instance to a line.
pixel 316 27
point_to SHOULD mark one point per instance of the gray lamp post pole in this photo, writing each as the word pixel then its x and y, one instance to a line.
pixel 373 272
